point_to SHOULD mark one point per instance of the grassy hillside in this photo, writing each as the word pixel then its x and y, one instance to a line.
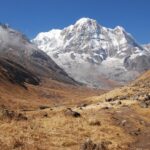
pixel 41 120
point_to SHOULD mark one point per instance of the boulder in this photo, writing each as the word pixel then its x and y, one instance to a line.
pixel 70 112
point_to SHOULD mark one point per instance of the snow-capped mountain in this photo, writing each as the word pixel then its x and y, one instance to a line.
pixel 16 48
pixel 93 54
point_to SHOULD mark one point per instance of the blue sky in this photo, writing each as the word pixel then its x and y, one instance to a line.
pixel 33 16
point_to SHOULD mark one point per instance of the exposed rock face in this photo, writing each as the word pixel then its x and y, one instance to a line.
pixel 15 47
pixel 140 63
pixel 92 54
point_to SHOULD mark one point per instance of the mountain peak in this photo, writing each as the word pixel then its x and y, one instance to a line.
pixel 106 52
pixel 85 21
pixel 119 29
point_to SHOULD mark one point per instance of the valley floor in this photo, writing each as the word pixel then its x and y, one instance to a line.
pixel 117 120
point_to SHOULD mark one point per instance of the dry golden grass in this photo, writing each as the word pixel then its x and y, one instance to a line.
pixel 125 126
pixel 58 131
pixel 50 93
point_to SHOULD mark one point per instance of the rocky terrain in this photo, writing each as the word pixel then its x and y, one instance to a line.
pixel 113 56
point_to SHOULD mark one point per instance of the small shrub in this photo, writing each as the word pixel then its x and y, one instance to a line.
pixel 94 122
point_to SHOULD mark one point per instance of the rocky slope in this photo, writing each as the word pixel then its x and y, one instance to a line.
pixel 95 55
pixel 15 47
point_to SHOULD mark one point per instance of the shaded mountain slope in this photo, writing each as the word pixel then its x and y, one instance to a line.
pixel 16 73
pixel 15 46
pixel 19 88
